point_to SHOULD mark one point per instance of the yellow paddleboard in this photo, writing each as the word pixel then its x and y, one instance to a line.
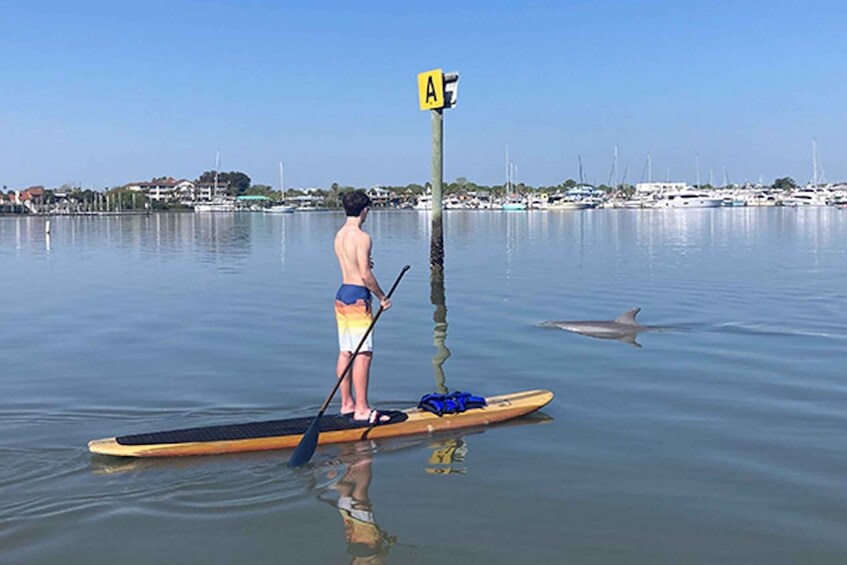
pixel 284 434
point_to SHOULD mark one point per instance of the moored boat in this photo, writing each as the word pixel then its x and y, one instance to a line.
pixel 280 209
pixel 218 205
pixel 687 199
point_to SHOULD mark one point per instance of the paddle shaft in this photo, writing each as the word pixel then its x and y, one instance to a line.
pixel 349 366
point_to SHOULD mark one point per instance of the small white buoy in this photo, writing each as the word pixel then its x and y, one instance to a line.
pixel 47 227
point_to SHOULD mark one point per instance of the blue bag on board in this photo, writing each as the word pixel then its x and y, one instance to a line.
pixel 452 403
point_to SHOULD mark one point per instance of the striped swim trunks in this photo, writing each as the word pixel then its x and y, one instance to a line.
pixel 353 315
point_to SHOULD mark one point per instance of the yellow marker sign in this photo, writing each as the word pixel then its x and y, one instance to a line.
pixel 431 89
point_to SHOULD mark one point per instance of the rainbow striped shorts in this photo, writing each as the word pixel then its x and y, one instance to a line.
pixel 354 315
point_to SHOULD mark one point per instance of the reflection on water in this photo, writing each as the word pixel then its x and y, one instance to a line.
pixel 366 541
pixel 222 235
pixel 215 236
pixel 439 334
pixel 448 456
pixel 253 488
pixel 731 430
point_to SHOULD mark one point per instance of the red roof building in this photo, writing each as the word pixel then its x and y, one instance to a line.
pixel 32 193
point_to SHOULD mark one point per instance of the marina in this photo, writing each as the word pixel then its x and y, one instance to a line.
pixel 645 195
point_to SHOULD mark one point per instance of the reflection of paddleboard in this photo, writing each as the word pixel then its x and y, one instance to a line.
pixel 283 434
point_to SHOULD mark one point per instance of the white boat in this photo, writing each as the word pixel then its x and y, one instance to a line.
pixel 733 201
pixel 565 204
pixel 816 192
pixel 424 202
pixel 687 199
pixel 218 205
pixel 538 201
pixel 513 203
pixel 449 203
pixel 454 203
pixel 309 208
pixel 480 201
pixel 595 201
pixel 807 197
pixel 762 199
pixel 638 202
pixel 280 209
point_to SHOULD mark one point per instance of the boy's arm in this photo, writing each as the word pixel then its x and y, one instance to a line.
pixel 363 259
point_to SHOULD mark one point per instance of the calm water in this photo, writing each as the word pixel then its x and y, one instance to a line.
pixel 722 440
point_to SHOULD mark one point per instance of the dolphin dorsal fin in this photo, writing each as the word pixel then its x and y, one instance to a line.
pixel 628 317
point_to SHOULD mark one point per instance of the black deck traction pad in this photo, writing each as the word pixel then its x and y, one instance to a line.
pixel 255 430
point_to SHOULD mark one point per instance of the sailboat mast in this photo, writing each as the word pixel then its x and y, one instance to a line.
pixel 613 178
pixel 217 165
pixel 581 182
pixel 649 167
pixel 697 167
pixel 814 162
pixel 508 187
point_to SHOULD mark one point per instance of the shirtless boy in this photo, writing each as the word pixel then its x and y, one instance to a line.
pixel 353 311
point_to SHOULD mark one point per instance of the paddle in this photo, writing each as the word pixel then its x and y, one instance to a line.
pixel 306 448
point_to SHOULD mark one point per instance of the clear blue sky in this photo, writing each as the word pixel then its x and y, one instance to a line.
pixel 104 93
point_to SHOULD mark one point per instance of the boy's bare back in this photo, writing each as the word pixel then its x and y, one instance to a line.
pixel 353 249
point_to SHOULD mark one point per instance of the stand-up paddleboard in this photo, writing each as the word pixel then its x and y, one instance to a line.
pixel 284 434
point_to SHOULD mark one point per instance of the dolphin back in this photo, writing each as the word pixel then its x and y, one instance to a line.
pixel 628 317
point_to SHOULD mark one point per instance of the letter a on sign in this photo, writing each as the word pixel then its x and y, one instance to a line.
pixel 431 89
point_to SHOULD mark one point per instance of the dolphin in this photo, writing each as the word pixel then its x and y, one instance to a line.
pixel 623 328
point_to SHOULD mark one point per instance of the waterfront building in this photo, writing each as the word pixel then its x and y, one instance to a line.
pixel 178 190
pixel 206 191
pixel 380 196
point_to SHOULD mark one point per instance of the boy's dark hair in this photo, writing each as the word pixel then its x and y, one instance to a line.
pixel 354 202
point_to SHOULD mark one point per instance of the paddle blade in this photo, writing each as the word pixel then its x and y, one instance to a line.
pixel 306 448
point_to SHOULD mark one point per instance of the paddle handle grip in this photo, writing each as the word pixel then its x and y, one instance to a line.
pixel 361 343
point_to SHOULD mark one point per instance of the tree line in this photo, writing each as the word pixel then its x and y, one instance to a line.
pixel 237 183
